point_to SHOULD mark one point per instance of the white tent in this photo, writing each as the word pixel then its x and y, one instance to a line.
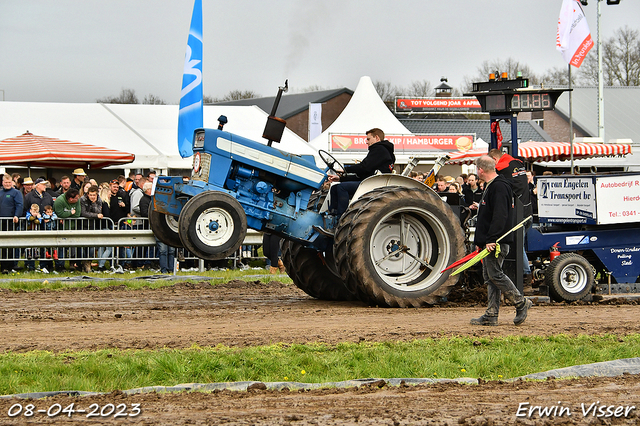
pixel 364 111
pixel 148 131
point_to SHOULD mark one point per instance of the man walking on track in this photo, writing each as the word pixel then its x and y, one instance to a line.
pixel 495 218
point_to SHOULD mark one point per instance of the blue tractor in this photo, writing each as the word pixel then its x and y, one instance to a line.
pixel 389 247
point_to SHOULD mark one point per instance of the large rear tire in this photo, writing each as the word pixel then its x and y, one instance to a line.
pixel 165 228
pixel 311 273
pixel 212 225
pixel 399 241
pixel 569 277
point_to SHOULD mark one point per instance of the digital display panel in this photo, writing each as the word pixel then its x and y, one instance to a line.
pixel 531 101
pixel 496 103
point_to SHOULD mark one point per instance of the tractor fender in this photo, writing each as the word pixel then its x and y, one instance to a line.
pixel 379 181
pixel 387 179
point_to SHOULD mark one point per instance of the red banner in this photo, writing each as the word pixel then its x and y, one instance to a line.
pixel 438 105
pixel 405 143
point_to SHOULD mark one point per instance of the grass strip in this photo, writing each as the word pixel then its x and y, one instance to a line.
pixel 33 281
pixel 487 358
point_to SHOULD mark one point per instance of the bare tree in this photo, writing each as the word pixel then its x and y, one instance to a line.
pixel 419 88
pixel 620 60
pixel 235 95
pixel 387 91
pixel 498 66
pixel 558 76
pixel 312 88
pixel 126 96
pixel 622 57
pixel 153 100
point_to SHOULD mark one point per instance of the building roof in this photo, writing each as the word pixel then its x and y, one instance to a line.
pixel 527 130
pixel 621 106
pixel 292 104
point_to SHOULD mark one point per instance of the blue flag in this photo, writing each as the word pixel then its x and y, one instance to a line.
pixel 190 116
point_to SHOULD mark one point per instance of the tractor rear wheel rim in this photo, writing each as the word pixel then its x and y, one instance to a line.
pixel 410 233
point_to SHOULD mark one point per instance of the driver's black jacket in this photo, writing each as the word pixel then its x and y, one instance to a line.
pixel 380 157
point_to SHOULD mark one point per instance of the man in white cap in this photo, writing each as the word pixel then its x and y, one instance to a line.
pixel 78 178
pixel 38 195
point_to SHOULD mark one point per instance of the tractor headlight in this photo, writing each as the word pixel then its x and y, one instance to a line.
pixel 198 141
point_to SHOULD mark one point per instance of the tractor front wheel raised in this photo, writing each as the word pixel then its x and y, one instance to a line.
pixel 212 225
pixel 398 243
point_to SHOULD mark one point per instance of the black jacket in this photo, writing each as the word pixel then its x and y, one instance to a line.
pixel 495 213
pixel 34 197
pixel 380 157
pixel 513 170
pixel 115 211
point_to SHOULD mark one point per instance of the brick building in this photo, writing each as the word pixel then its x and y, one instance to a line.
pixel 294 108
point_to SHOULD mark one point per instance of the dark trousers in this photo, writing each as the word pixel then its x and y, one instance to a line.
pixel 271 247
pixel 340 195
pixel 498 282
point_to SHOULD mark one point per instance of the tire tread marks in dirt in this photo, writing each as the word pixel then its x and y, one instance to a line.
pixel 361 267
pixel 310 273
pixel 553 277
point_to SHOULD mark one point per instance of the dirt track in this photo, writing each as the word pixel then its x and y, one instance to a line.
pixel 247 314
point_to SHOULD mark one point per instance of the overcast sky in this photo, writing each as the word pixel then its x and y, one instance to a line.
pixel 82 50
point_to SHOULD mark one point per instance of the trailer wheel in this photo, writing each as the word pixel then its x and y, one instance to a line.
pixel 399 242
pixel 569 277
pixel 165 228
pixel 311 273
pixel 212 225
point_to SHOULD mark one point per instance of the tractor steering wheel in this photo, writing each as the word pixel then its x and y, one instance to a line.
pixel 333 164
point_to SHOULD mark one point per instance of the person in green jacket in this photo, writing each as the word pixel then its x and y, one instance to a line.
pixel 67 206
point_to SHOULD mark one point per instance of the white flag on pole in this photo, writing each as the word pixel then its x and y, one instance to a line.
pixel 315 120
pixel 573 39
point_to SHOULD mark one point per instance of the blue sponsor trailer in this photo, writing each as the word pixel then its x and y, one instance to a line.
pixel 586 239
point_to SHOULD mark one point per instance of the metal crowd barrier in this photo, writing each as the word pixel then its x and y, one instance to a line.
pixel 81 239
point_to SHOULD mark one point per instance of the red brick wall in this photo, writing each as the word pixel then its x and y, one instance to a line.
pixel 331 109
pixel 556 126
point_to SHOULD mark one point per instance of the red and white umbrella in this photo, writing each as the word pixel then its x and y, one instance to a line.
pixel 40 151
pixel 550 151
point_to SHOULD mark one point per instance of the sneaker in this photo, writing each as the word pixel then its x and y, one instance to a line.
pixel 44 270
pixel 521 312
pixel 485 320
pixel 181 256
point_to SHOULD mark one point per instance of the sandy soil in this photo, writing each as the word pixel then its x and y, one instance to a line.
pixel 255 313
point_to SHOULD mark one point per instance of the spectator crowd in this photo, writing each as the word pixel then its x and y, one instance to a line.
pixel 78 202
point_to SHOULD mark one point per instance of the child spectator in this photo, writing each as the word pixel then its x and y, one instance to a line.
pixel 50 221
pixel 34 219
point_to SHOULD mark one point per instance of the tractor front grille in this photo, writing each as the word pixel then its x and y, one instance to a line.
pixel 205 165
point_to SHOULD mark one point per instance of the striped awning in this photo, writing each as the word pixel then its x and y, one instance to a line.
pixel 40 151
pixel 551 151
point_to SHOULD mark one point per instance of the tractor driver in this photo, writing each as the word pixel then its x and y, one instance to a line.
pixel 379 158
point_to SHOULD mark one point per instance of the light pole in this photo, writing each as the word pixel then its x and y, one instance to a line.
pixel 600 79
